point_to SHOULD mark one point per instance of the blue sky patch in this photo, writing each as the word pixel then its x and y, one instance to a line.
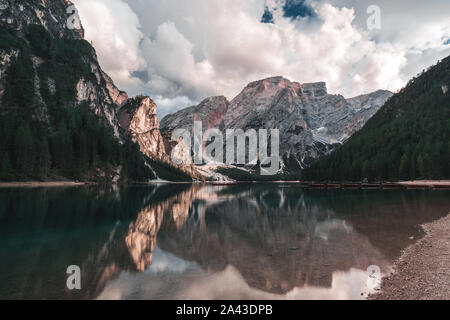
pixel 292 9
pixel 267 16
pixel 297 9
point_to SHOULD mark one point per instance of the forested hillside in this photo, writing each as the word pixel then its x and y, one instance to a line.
pixel 409 138
pixel 45 134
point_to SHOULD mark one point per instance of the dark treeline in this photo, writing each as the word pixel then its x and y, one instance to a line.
pixel 58 139
pixel 409 138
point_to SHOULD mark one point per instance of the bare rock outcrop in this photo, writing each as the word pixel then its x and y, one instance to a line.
pixel 138 116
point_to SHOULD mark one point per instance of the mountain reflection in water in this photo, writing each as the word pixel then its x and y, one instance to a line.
pixel 205 242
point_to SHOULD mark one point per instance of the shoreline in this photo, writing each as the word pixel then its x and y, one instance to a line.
pixel 423 270
pixel 50 184
pixel 38 184
pixel 429 183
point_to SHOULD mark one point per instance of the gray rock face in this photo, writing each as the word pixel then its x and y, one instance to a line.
pixel 312 123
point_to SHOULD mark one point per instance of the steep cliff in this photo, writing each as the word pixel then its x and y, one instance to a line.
pixel 138 116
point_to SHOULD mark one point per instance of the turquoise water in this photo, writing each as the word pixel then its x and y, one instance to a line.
pixel 205 242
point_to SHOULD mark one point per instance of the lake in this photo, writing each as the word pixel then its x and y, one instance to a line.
pixel 255 241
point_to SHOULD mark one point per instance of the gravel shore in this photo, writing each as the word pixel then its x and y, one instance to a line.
pixel 48 184
pixel 423 271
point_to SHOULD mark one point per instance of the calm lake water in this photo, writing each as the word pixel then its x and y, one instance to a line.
pixel 205 242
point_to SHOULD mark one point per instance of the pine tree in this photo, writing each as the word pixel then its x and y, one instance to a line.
pixel 5 169
pixel 412 168
pixel 62 148
pixel 365 170
pixel 404 167
pixel 44 159
pixel 23 146
pixel 421 165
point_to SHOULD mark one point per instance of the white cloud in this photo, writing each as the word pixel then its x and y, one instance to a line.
pixel 168 105
pixel 198 48
pixel 236 48
pixel 114 30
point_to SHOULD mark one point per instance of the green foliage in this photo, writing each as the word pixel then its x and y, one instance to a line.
pixel 44 159
pixel 19 84
pixel 41 42
pixel 409 138
pixel 36 153
pixel 9 40
pixel 24 150
pixel 5 167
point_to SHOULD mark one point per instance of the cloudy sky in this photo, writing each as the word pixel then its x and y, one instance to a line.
pixel 180 52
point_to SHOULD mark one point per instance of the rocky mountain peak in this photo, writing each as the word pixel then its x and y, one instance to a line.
pixel 216 99
pixel 274 84
pixel 269 83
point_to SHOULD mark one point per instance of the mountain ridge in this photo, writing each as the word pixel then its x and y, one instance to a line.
pixel 298 110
